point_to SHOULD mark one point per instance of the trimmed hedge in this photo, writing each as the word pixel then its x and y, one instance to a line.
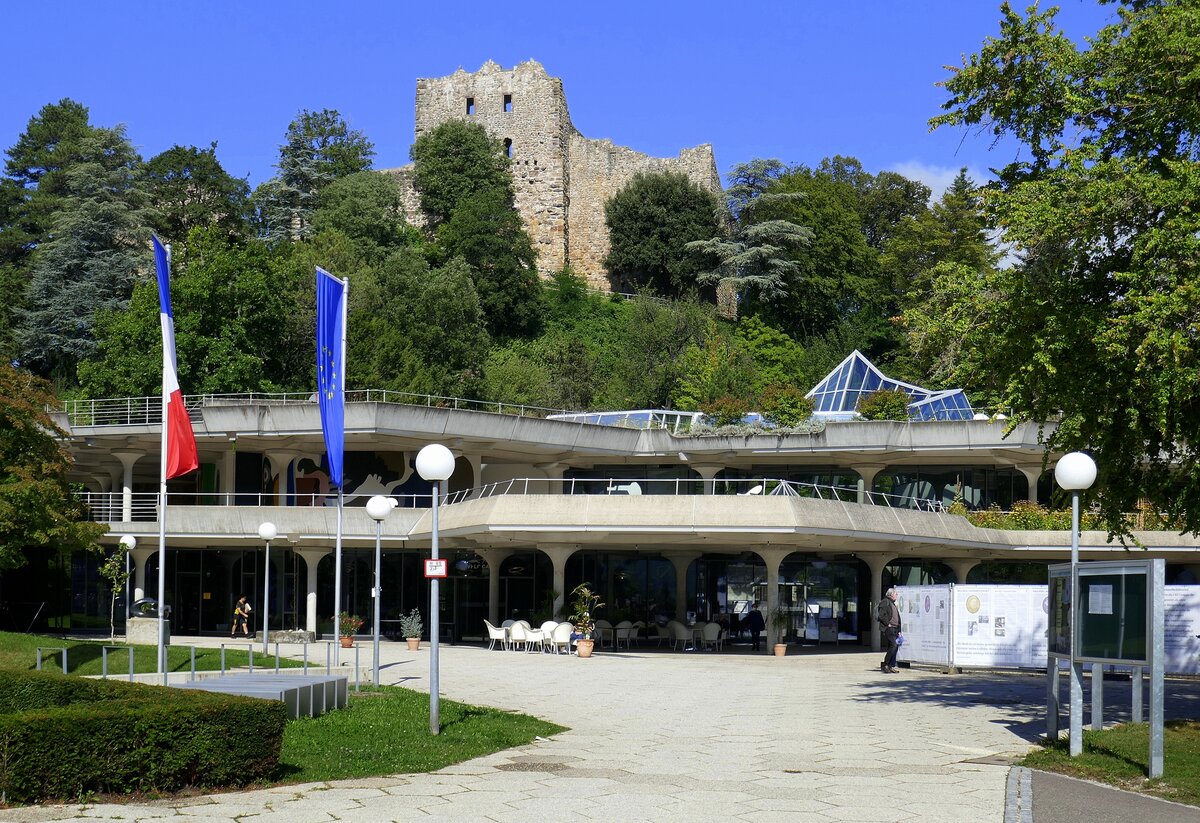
pixel 63 737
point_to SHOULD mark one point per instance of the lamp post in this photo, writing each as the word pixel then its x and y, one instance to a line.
pixel 1074 473
pixel 378 507
pixel 267 532
pixel 435 464
pixel 129 543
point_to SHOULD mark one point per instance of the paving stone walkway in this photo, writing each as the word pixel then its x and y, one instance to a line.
pixel 657 736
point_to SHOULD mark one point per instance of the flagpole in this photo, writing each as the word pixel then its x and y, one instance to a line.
pixel 162 520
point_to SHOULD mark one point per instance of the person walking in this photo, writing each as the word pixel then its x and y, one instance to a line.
pixel 241 616
pixel 888 616
pixel 755 624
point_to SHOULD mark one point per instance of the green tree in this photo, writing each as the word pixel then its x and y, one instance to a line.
pixel 233 305
pixel 650 223
pixel 367 208
pixel 487 232
pixel 715 368
pixel 97 247
pixel 37 507
pixel 883 200
pixel 1097 323
pixel 320 147
pixel 454 161
pixel 656 335
pixel 884 404
pixel 190 189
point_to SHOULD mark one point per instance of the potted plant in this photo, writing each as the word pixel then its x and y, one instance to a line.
pixel 585 601
pixel 779 622
pixel 411 627
pixel 348 625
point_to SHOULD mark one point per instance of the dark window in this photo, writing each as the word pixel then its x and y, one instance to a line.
pixel 508 102
pixel 508 147
pixel 470 105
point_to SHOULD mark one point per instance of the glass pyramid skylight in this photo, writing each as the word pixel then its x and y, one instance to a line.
pixel 836 397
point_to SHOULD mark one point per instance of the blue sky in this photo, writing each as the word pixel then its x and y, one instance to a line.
pixel 794 80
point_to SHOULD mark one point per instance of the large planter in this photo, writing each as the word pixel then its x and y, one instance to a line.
pixel 584 647
pixel 414 643
pixel 347 641
pixel 780 649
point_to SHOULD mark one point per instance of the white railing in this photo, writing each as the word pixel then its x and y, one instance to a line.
pixel 131 411
pixel 107 507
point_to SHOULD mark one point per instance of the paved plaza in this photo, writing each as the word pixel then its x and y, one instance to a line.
pixel 660 736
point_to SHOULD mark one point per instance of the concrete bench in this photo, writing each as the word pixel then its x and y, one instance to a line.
pixel 303 695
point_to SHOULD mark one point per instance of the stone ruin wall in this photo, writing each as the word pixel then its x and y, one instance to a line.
pixel 561 179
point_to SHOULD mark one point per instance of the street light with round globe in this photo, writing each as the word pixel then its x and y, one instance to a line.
pixel 129 543
pixel 1075 472
pixel 435 463
pixel 267 532
pixel 378 507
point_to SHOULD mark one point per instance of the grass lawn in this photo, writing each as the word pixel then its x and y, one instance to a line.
pixel 386 731
pixel 18 652
pixel 1120 757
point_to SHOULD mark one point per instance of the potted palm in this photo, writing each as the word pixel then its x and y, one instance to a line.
pixel 348 625
pixel 411 627
pixel 584 604
pixel 779 622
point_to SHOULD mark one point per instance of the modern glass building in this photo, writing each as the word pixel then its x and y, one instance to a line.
pixel 837 396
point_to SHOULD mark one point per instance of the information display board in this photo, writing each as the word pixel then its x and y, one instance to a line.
pixel 1000 625
pixel 1114 613
pixel 1180 630
pixel 1059 599
pixel 925 622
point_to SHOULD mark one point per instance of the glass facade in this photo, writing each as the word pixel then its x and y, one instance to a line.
pixel 978 487
pixel 837 396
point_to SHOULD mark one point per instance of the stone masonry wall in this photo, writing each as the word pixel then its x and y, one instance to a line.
pixel 561 179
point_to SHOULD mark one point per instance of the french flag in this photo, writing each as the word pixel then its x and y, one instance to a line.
pixel 181 442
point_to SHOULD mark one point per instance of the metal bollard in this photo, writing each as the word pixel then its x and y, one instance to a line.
pixel 250 651
pixel 276 657
pixel 222 659
pixel 355 667
pixel 306 657
pixel 63 649
pixel 328 658
pixel 193 663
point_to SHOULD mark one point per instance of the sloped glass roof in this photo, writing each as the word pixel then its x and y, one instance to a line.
pixel 836 397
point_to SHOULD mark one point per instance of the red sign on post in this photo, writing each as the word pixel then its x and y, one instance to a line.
pixel 435 568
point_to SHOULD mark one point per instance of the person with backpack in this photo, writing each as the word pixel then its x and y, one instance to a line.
pixel 888 616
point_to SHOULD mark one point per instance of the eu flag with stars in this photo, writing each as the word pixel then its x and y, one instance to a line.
pixel 331 368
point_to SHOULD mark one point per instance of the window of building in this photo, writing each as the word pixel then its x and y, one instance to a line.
pixel 508 147
pixel 470 105
pixel 508 102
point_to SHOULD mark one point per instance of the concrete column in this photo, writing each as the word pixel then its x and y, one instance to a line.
pixel 876 563
pixel 127 458
pixel 311 558
pixel 229 472
pixel 494 557
pixel 681 561
pixel 960 566
pixel 140 556
pixel 279 462
pixel 772 558
pixel 707 473
pixel 866 482
pixel 554 474
pixel 107 484
pixel 1032 473
pixel 558 555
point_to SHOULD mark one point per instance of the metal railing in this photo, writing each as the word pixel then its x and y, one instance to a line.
pixel 107 507
pixel 135 411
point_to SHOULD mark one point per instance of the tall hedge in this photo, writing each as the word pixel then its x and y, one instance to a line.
pixel 62 737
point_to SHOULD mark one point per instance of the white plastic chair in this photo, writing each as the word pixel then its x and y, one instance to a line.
pixel 753 490
pixel 496 633
pixel 560 638
pixel 518 634
pixel 622 632
pixel 681 635
pixel 712 636
pixel 604 629
pixel 534 638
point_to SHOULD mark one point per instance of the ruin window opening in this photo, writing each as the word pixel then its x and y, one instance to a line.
pixel 508 103
pixel 508 147
pixel 470 105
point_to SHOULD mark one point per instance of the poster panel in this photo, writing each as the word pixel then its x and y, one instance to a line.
pixel 999 625
pixel 925 621
pixel 1182 624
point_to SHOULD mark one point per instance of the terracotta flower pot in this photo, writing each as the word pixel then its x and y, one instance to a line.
pixel 780 649
pixel 584 647
pixel 414 643
pixel 347 641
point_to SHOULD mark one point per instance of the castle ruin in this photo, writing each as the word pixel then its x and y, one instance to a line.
pixel 561 179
